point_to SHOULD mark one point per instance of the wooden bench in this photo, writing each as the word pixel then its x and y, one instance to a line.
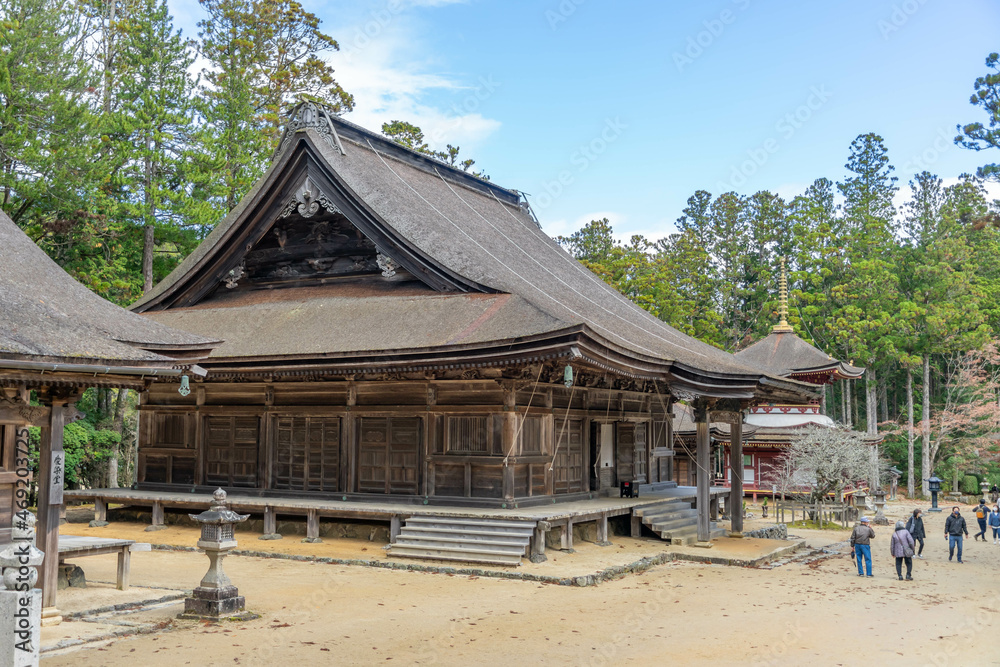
pixel 73 546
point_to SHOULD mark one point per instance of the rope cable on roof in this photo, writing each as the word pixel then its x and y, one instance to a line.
pixel 546 269
pixel 499 261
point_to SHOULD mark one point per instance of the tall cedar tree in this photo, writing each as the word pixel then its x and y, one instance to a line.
pixel 262 55
pixel 866 301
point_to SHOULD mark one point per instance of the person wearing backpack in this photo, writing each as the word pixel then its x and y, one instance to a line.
pixel 901 547
pixel 994 522
pixel 861 543
pixel 915 526
pixel 982 513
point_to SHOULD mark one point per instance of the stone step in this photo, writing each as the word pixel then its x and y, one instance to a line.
pixel 459 556
pixel 425 541
pixel 468 521
pixel 485 535
pixel 662 508
pixel 481 525
pixel 674 522
pixel 686 537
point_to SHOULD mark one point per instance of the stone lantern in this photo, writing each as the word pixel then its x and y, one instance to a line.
pixel 217 597
pixel 880 519
pixel 934 485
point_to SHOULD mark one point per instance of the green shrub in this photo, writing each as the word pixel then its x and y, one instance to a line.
pixel 86 450
pixel 970 485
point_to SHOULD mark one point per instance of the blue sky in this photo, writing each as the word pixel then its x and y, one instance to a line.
pixel 624 109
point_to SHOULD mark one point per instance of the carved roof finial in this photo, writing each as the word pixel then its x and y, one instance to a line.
pixel 782 326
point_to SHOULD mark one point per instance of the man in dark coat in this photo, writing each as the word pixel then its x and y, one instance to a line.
pixel 954 528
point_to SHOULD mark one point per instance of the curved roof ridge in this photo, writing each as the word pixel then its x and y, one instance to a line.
pixel 46 313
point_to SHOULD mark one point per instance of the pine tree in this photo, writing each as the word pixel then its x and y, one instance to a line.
pixel 263 55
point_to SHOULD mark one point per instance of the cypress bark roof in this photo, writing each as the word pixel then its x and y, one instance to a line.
pixel 47 315
pixel 784 353
pixel 466 239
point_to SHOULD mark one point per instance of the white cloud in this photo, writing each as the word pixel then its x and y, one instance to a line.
pixel 904 193
pixel 384 65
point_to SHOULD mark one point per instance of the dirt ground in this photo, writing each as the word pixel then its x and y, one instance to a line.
pixel 683 613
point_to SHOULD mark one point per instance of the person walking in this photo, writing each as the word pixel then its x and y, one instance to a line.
pixel 954 527
pixel 994 522
pixel 861 538
pixel 915 526
pixel 994 494
pixel 982 512
pixel 901 546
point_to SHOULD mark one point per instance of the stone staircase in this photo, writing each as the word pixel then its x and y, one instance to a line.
pixel 806 555
pixel 675 521
pixel 464 540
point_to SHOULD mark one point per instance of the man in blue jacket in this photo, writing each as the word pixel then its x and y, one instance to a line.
pixel 954 528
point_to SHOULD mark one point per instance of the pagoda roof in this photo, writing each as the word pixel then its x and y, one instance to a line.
pixel 784 353
pixel 47 316
pixel 482 278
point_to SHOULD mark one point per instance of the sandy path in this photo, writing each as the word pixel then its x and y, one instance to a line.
pixel 681 613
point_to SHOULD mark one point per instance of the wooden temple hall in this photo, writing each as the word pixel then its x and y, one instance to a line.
pixel 56 339
pixel 395 333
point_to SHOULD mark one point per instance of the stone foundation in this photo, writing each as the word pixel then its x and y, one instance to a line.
pixel 327 528
pixel 778 531
pixel 71 576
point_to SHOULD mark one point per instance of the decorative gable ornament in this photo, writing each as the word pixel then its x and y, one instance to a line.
pixel 308 200
pixel 310 116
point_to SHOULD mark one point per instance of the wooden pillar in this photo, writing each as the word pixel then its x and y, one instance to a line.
pixel 508 445
pixel 51 471
pixel 538 542
pixel 100 510
pixel 312 527
pixel 157 522
pixel 567 536
pixel 270 521
pixel 394 527
pixel 736 466
pixel 602 530
pixel 703 464
pixel 636 525
pixel 124 567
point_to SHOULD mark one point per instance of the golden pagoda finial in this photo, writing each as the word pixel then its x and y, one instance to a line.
pixel 782 326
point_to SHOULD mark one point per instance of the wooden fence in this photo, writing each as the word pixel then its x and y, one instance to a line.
pixel 819 511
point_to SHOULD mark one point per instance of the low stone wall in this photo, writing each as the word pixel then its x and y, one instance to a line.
pixel 778 531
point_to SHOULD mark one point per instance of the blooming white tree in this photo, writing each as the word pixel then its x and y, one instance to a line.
pixel 826 460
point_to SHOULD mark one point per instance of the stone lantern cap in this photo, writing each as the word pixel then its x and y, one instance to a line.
pixel 217 524
pixel 219 513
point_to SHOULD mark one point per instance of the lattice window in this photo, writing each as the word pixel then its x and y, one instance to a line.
pixel 468 435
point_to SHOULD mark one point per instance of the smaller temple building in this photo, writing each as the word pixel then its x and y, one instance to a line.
pixel 768 427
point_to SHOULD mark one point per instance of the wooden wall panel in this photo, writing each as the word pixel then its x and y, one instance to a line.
pixel 389 454
pixel 568 466
pixel 625 451
pixel 231 451
pixel 307 453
